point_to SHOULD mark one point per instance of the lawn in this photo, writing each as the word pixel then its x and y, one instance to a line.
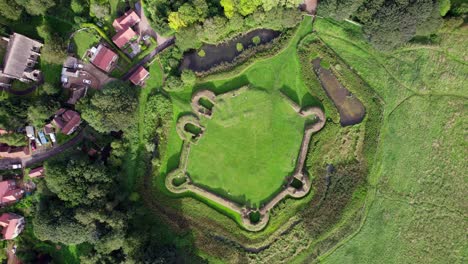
pixel 84 40
pixel 418 214
pixel 240 155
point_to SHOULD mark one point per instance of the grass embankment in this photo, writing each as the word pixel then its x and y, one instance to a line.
pixel 417 214
pixel 277 73
pixel 239 156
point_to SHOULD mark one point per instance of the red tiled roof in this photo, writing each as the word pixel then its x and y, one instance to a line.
pixel 67 121
pixel 9 192
pixel 36 172
pixel 104 58
pixel 123 37
pixel 129 19
pixel 139 76
pixel 12 225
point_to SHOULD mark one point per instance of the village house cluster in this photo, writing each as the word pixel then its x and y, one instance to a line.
pixel 77 76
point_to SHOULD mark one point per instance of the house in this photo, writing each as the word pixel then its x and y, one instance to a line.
pixel 123 37
pixel 103 58
pixel 21 56
pixel 9 192
pixel 36 172
pixel 67 121
pixel 13 152
pixel 139 76
pixel 12 225
pixel 129 19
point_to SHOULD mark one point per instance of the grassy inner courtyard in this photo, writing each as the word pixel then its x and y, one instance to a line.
pixel 249 146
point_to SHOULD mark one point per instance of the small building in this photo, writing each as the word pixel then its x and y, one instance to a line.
pixel 123 37
pixel 12 225
pixel 49 129
pixel 21 56
pixel 139 76
pixel 129 19
pixel 36 172
pixel 103 58
pixel 67 121
pixel 9 192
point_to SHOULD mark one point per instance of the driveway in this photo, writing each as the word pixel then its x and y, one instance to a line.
pixel 149 57
pixel 144 27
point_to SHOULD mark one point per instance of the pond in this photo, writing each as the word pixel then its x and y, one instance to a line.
pixel 350 108
pixel 225 52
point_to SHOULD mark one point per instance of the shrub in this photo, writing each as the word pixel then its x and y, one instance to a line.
pixel 256 40
pixel 201 53
pixel 239 47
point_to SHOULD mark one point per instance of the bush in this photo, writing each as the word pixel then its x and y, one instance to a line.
pixel 256 40
pixel 239 47
pixel 201 53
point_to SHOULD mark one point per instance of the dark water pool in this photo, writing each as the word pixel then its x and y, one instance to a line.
pixel 225 52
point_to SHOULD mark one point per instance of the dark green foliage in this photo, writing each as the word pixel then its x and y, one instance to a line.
pixel 13 113
pixel 78 181
pixel 13 139
pixel 158 113
pixel 387 24
pixel 10 9
pixel 339 9
pixel 112 108
pixel 36 7
pixel 54 221
pixel 395 23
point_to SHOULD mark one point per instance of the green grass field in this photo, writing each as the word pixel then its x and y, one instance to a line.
pixel 249 147
pixel 83 41
pixel 418 214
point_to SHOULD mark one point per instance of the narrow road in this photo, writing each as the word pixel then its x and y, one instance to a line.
pixel 149 57
pixel 6 163
pixel 54 151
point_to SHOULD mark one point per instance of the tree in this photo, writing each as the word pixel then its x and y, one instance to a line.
pixel 36 7
pixel 111 109
pixel 10 9
pixel 247 7
pixel 229 8
pixel 13 139
pixel 78 181
pixel 54 221
pixel 78 6
pixel 101 11
pixel 395 23
pixel 38 113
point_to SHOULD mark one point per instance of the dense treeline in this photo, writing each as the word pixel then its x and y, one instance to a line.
pixel 388 23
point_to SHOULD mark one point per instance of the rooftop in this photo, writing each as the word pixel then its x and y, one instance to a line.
pixel 123 37
pixel 67 120
pixel 104 58
pixel 21 56
pixel 10 192
pixel 12 225
pixel 139 76
pixel 129 19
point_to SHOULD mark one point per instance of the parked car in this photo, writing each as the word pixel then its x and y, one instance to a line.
pixel 30 132
pixel 38 143
pixel 16 166
pixel 42 137
pixel 52 137
pixel 33 145
pixel 87 81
